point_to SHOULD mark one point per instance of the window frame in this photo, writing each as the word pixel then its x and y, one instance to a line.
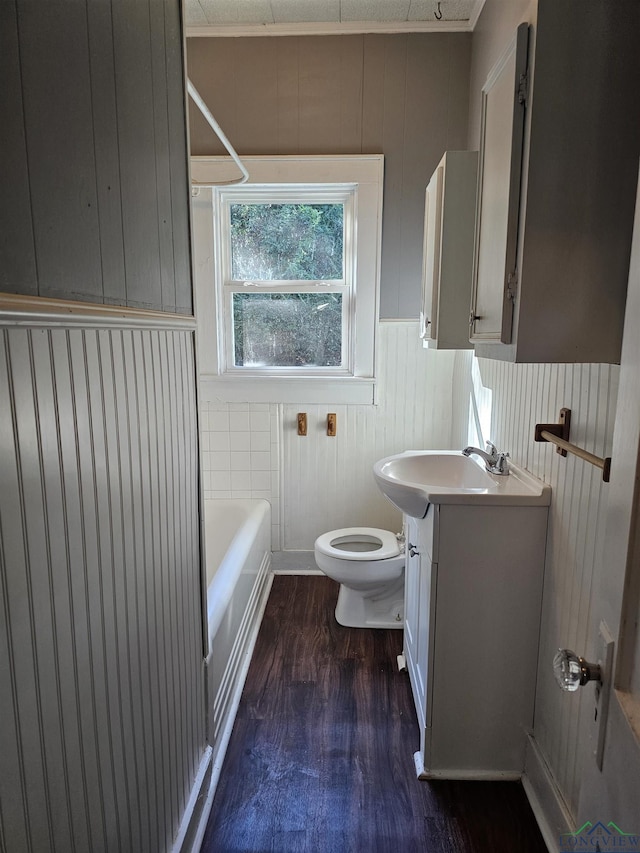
pixel 356 383
pixel 280 193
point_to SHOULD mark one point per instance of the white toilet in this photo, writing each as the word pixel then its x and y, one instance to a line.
pixel 368 563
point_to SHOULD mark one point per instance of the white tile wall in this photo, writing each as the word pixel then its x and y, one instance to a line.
pixel 240 454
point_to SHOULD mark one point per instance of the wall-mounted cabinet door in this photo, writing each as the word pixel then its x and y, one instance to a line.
pixel 498 204
pixel 447 260
pixel 431 256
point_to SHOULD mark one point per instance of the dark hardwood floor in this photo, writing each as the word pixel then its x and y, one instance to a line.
pixel 321 756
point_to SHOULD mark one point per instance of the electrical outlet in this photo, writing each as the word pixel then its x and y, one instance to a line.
pixel 603 690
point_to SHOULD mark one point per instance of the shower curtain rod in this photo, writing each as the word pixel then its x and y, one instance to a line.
pixel 204 109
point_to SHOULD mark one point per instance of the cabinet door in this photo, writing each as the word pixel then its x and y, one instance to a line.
pixel 500 167
pixel 431 256
pixel 412 616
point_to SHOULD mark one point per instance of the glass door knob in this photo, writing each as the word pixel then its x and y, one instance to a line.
pixel 572 671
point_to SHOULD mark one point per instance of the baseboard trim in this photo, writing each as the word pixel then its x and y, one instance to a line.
pixel 545 798
pixel 294 563
pixel 192 817
pixel 224 735
pixel 463 775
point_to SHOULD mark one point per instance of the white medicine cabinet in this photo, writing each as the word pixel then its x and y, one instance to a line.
pixel 447 259
pixel 558 165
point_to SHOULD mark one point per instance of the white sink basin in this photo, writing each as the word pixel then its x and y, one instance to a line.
pixel 414 479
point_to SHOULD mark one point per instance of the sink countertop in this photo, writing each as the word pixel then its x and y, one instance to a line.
pixel 397 479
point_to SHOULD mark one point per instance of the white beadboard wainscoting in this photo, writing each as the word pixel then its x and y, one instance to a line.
pixel 316 482
pixel 101 642
pixel 521 396
pixel 327 482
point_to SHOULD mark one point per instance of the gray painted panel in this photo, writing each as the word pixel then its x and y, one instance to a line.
pixel 395 111
pixel 372 85
pixel 320 78
pixel 60 146
pixel 73 533
pixel 101 685
pixel 105 130
pixel 17 249
pixel 162 153
pixel 95 202
pixel 256 123
pixel 403 96
pixel 144 637
pixel 134 93
pixel 15 640
pixel 180 186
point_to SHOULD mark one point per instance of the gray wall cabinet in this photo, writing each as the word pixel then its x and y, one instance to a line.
pixel 558 294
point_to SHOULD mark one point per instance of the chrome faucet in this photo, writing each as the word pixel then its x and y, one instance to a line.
pixel 494 460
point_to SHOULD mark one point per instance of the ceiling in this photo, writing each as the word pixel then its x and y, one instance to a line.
pixel 319 17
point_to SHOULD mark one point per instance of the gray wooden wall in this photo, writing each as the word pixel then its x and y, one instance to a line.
pixel 101 656
pixel 101 665
pixel 405 96
pixel 93 169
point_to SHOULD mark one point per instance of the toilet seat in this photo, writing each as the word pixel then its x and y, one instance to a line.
pixel 384 544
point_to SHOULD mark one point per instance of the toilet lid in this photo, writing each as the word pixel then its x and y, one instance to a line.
pixel 358 543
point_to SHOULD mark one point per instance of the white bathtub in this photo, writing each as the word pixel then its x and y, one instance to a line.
pixel 238 561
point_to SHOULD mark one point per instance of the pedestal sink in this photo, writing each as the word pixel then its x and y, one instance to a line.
pixel 414 479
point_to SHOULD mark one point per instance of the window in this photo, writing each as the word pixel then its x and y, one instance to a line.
pixel 287 269
pixel 287 278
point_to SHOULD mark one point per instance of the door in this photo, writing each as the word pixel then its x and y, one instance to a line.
pixel 500 167
pixel 613 793
pixel 431 256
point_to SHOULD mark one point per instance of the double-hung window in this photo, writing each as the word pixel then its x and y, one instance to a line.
pixel 287 271
pixel 287 281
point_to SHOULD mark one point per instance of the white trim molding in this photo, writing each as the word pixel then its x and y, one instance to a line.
pixel 33 311
pixel 335 28
pixel 327 28
pixel 224 385
pixel 547 803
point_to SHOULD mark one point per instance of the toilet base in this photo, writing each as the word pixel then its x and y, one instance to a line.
pixel 357 609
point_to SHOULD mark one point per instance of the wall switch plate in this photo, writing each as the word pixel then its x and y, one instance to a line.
pixel 603 689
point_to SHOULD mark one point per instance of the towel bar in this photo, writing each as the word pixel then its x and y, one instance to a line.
pixel 558 434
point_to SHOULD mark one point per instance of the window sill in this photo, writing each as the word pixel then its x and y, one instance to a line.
pixel 303 389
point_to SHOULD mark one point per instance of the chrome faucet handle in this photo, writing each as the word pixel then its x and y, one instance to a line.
pixel 491 449
pixel 501 465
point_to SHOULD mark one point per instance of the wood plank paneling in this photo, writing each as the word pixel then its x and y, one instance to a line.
pixel 404 96
pixel 17 249
pixel 523 395
pixel 107 160
pixel 54 66
pixel 95 187
pixel 102 684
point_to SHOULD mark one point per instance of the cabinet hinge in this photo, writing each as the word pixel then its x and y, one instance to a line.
pixel 512 285
pixel 523 89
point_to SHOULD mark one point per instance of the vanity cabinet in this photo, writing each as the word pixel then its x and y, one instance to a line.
pixel 473 592
pixel 558 170
pixel 447 257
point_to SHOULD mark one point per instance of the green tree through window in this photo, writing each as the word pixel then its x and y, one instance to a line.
pixel 287 329
pixel 279 242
